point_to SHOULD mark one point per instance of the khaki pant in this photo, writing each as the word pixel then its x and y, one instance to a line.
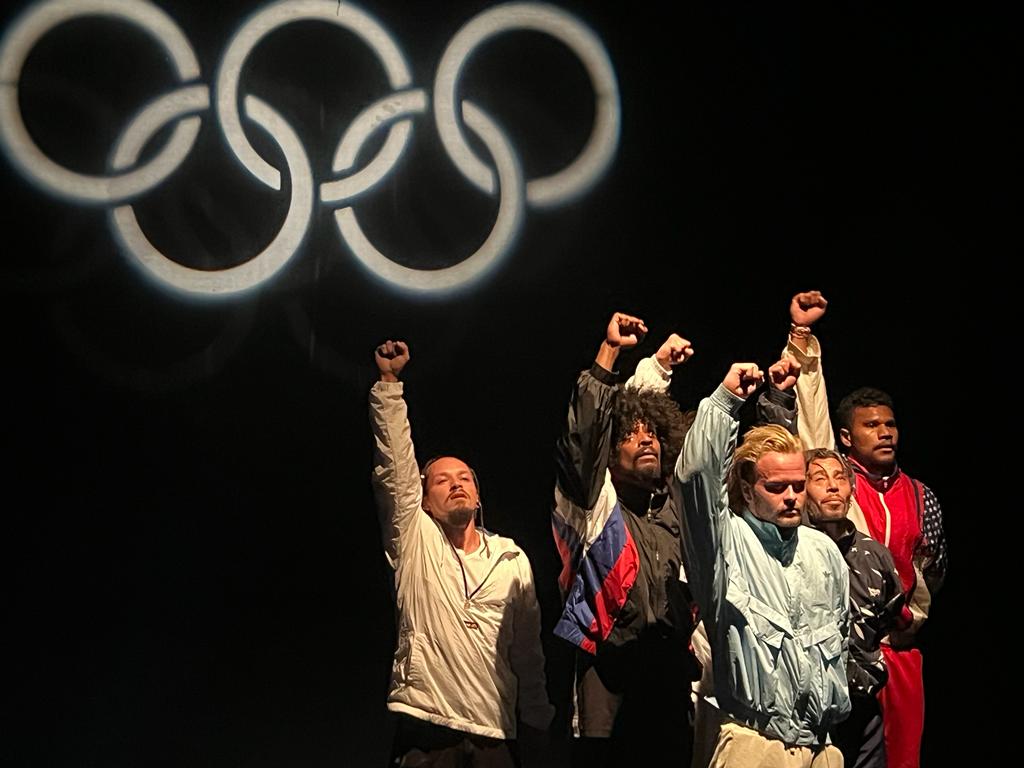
pixel 741 747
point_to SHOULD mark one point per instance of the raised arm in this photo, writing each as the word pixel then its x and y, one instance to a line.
pixel 700 482
pixel 655 372
pixel 396 476
pixel 582 451
pixel 777 402
pixel 813 423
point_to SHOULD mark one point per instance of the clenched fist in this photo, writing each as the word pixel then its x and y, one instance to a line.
pixel 391 357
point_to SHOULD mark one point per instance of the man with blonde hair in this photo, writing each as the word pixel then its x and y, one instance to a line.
pixel 774 595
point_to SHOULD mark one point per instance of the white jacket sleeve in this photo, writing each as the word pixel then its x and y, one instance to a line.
pixel 396 475
pixel 527 656
pixel 650 375
pixel 813 423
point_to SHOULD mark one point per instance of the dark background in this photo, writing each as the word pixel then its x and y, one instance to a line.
pixel 195 567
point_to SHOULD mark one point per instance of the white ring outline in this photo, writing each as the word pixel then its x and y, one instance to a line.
pixel 510 213
pixel 367 122
pixel 249 274
pixel 264 22
pixel 23 152
pixel 577 177
pixel 573 180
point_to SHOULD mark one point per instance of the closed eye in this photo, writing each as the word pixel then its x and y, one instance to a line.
pixel 780 487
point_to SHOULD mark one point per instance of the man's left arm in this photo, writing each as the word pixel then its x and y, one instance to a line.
pixel 877 607
pixel 777 403
pixel 655 372
pixel 931 550
pixel 527 655
pixel 842 608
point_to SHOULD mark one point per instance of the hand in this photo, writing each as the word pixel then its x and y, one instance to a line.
pixel 807 308
pixel 624 331
pixel 675 350
pixel 783 374
pixel 391 357
pixel 743 378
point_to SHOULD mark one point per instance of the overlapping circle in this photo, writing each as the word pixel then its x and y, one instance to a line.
pixel 184 107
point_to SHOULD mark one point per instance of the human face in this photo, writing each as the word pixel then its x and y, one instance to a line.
pixel 777 496
pixel 872 437
pixel 451 496
pixel 828 490
pixel 639 457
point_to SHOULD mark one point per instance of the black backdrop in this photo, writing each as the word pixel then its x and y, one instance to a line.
pixel 195 565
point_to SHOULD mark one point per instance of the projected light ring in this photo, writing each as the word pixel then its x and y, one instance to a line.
pixel 266 21
pixel 577 177
pixel 128 181
pixel 35 165
pixel 367 122
pixel 506 224
pixel 243 276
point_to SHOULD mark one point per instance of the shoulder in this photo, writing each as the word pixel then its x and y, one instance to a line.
pixel 926 492
pixel 869 547
pixel 929 495
pixel 503 545
pixel 818 543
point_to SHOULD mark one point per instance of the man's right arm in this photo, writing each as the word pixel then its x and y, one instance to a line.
pixel 396 477
pixel 700 481
pixel 813 423
pixel 582 451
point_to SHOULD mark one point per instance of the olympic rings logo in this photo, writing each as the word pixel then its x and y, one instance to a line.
pixel 393 113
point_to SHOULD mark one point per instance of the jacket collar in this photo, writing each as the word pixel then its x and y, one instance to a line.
pixel 879 482
pixel 845 540
pixel 779 547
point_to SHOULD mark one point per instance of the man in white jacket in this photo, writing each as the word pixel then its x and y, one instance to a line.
pixel 469 653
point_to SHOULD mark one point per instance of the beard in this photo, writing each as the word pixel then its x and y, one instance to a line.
pixel 819 514
pixel 647 474
pixel 460 517
pixel 650 472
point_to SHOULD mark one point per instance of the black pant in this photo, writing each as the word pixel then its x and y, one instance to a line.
pixel 860 737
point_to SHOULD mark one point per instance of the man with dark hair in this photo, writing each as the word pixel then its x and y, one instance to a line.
pixel 469 653
pixel 773 594
pixel 876 604
pixel 617 530
pixel 891 507
pixel 903 514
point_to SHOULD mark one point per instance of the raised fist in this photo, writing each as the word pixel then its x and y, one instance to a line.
pixel 743 378
pixel 625 331
pixel 675 350
pixel 807 308
pixel 391 357
pixel 783 374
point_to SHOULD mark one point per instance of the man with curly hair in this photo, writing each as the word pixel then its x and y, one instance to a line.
pixel 617 530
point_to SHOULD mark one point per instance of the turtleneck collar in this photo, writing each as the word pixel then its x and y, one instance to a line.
pixel 782 548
